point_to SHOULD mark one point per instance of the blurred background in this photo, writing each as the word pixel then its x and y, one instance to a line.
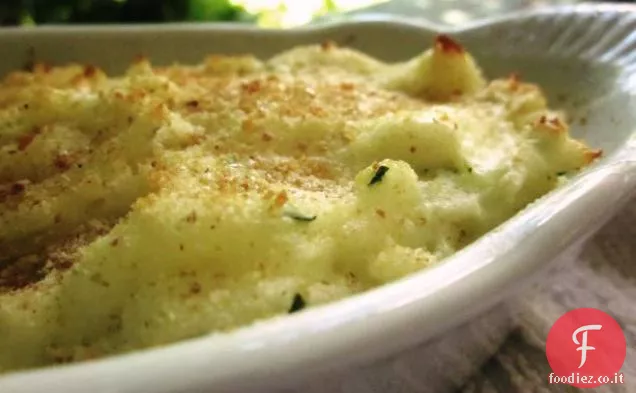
pixel 266 13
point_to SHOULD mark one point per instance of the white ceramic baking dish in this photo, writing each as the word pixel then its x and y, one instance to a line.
pixel 585 57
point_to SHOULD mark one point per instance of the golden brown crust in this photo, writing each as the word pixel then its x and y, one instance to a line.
pixel 592 154
pixel 328 45
pixel 513 81
pixel 551 124
pixel 25 140
pixel 190 184
pixel 447 45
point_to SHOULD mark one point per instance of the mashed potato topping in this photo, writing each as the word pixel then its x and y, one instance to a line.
pixel 171 202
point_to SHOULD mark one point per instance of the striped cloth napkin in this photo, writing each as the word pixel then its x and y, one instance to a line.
pixel 603 276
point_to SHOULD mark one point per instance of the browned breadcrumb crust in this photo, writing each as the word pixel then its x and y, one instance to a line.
pixel 296 99
pixel 592 154
pixel 328 45
pixel 447 45
pixel 51 260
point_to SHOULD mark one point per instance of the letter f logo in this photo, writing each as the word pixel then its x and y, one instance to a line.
pixel 583 344
pixel 570 341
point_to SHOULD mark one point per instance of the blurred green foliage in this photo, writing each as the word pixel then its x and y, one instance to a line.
pixel 16 12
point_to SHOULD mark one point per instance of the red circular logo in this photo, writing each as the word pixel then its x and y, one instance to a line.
pixel 586 348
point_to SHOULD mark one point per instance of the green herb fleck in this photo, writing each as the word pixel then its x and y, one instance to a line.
pixel 299 216
pixel 379 174
pixel 469 169
pixel 298 303
pixel 561 173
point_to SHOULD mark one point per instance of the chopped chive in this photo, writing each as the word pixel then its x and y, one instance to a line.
pixel 298 303
pixel 299 217
pixel 379 174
